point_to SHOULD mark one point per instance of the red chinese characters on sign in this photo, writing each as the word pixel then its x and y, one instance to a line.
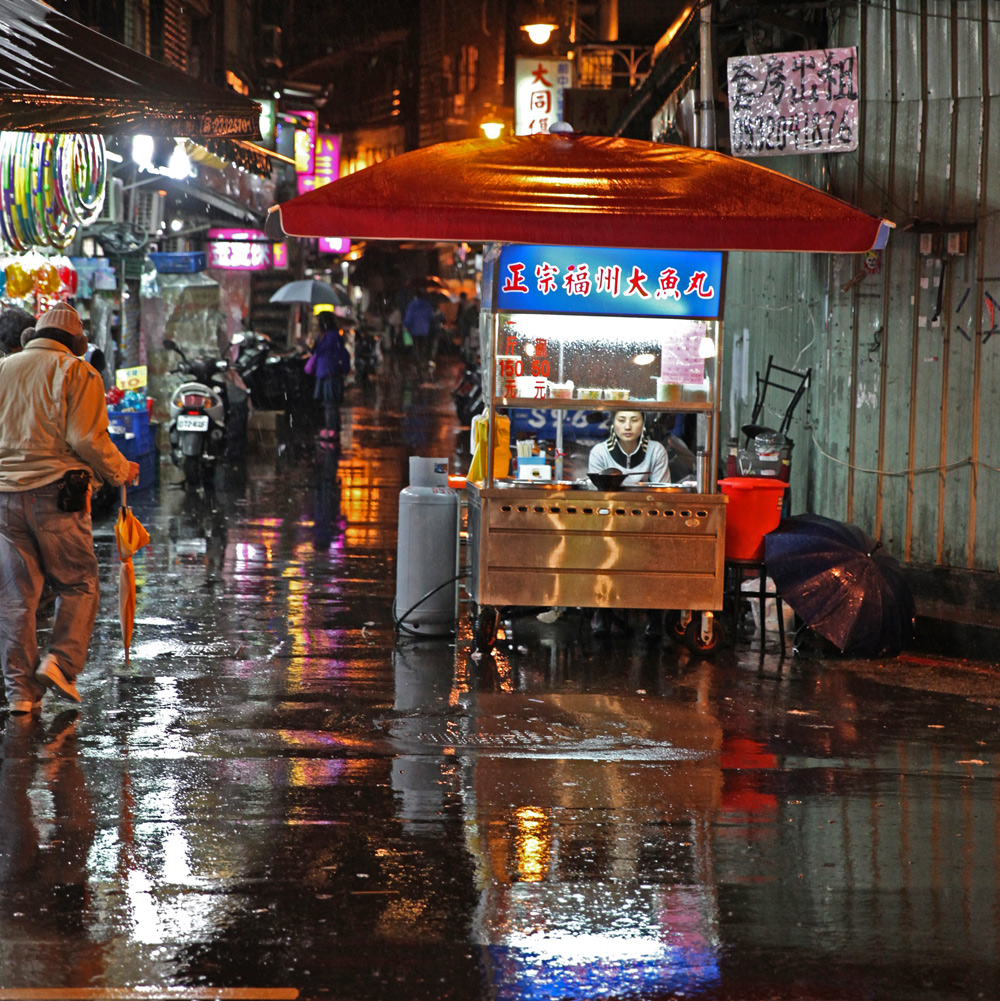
pixel 577 280
pixel 514 282
pixel 607 281
pixel 696 284
pixel 669 280
pixel 540 100
pixel 539 85
pixel 523 376
pixel 635 284
pixel 546 275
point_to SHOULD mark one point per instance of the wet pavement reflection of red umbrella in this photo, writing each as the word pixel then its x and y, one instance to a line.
pixel 593 191
pixel 842 584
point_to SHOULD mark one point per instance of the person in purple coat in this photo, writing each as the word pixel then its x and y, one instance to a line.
pixel 332 363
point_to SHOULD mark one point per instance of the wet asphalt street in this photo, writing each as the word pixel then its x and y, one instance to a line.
pixel 277 799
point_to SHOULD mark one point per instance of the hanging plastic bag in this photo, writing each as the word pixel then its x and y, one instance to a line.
pixel 501 447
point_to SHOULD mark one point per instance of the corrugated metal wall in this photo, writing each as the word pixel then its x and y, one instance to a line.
pixel 899 431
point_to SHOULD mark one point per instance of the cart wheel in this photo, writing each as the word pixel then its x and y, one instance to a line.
pixel 694 641
pixel 487 625
pixel 675 624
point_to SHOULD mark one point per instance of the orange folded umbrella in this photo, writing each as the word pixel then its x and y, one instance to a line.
pixel 130 537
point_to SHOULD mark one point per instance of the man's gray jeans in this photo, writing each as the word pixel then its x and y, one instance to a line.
pixel 38 542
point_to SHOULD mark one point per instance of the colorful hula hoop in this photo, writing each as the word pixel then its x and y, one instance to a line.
pixel 49 186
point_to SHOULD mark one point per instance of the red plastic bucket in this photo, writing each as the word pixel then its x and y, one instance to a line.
pixel 754 509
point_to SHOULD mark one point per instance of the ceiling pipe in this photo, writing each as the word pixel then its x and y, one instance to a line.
pixel 706 65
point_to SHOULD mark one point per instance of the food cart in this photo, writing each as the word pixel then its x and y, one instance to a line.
pixel 605 329
pixel 550 542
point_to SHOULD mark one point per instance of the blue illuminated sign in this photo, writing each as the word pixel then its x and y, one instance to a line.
pixel 609 281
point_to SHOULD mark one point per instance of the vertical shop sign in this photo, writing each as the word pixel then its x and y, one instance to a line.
pixel 539 86
pixel 794 102
pixel 305 147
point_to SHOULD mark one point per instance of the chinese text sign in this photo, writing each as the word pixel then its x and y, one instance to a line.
pixel 239 250
pixel 794 102
pixel 609 281
pixel 538 94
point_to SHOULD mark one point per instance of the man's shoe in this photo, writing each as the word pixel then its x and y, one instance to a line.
pixel 50 675
pixel 25 706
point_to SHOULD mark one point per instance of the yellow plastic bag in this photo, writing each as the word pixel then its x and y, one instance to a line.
pixel 501 447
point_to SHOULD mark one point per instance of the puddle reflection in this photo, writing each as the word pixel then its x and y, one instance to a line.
pixel 46 833
pixel 586 819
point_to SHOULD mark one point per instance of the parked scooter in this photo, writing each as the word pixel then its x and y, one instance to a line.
pixel 468 394
pixel 198 418
pixel 248 353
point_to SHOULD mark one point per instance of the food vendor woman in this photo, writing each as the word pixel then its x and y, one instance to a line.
pixel 629 449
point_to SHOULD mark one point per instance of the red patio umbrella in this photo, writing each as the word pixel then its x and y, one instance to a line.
pixel 581 191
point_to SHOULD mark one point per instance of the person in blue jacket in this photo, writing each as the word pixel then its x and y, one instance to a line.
pixel 333 362
pixel 419 321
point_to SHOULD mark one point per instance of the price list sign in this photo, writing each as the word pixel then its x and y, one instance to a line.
pixel 525 377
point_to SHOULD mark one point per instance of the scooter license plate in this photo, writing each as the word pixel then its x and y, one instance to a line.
pixel 199 422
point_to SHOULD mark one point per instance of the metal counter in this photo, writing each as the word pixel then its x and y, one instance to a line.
pixel 559 546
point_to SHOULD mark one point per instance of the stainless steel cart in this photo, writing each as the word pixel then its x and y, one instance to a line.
pixel 558 543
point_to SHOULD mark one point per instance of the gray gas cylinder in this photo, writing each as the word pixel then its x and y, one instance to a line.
pixel 427 556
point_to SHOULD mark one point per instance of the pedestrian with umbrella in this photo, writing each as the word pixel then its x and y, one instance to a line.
pixel 310 292
pixel 329 364
pixel 842 584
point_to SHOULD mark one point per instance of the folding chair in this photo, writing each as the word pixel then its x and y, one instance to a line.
pixel 797 385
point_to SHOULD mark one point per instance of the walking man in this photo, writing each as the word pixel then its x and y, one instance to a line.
pixel 54 445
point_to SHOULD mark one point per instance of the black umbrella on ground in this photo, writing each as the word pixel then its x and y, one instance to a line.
pixel 841 584
pixel 309 292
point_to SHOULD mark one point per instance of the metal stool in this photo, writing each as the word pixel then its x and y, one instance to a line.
pixel 736 574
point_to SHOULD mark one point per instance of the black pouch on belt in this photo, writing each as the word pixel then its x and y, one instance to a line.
pixel 73 490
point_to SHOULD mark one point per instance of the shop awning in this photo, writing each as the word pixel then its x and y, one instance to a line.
pixel 58 76
pixel 589 191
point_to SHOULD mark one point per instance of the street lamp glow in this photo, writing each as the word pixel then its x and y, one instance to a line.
pixel 539 33
pixel 492 129
pixel 142 150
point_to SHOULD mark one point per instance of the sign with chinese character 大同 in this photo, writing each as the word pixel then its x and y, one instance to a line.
pixel 794 102
pixel 538 93
pixel 239 250
pixel 609 281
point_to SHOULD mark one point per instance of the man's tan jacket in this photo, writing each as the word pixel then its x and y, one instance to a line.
pixel 53 418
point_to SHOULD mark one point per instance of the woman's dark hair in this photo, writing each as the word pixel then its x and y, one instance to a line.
pixel 12 322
